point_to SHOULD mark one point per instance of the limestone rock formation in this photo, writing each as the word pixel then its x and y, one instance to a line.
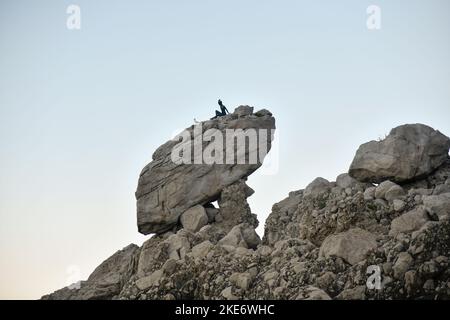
pixel 409 152
pixel 322 242
pixel 166 188
pixel 106 281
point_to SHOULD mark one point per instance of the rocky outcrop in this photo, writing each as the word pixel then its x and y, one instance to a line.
pixel 167 188
pixel 107 280
pixel 409 152
pixel 322 242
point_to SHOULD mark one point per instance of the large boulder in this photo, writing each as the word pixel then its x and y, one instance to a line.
pixel 409 152
pixel 178 179
pixel 438 205
pixel 194 218
pixel 352 245
pixel 409 222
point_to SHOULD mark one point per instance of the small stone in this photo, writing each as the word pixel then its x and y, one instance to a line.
pixel 399 205
pixel 241 280
pixel 428 285
pixel 408 222
pixel 395 192
pixel 227 293
pixel 382 188
pixel 202 249
pixel 149 281
pixel 369 193
pixel 404 261
pixel 169 266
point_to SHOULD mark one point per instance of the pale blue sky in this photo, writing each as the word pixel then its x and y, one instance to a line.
pixel 82 111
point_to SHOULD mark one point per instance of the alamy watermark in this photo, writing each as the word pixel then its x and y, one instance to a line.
pixel 73 21
pixel 374 17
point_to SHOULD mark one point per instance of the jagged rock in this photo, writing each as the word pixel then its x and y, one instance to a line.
pixel 149 281
pixel 409 152
pixel 399 205
pixel 243 111
pixel 211 213
pixel 442 188
pixel 282 215
pixel 107 279
pixel 227 293
pixel 194 218
pixel 357 293
pixel 317 187
pixel 352 245
pixel 438 205
pixel 409 222
pixel 313 293
pixel 402 265
pixel 345 181
pixel 395 192
pixel 178 245
pixel 166 189
pixel 242 235
pixel 241 280
pixel 369 193
pixel 234 208
pixel 202 249
pixel 382 188
pixel 317 246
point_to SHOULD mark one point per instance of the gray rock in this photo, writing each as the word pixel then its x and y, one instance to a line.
pixel 312 293
pixel 178 245
pixel 409 152
pixel 194 218
pixel 167 189
pixel 357 293
pixel 316 187
pixel 442 188
pixel 149 281
pixel 408 222
pixel 241 235
pixel 169 266
pixel 402 265
pixel 399 205
pixel 345 181
pixel 395 192
pixel 352 245
pixel 369 193
pixel 382 188
pixel 243 111
pixel 241 280
pixel 438 205
pixel 202 249
pixel 212 213
pixel 227 293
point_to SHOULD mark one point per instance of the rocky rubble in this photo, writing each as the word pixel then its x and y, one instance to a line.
pixel 323 242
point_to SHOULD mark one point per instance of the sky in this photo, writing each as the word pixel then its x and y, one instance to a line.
pixel 81 111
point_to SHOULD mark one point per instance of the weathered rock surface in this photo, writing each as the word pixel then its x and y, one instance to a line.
pixel 318 243
pixel 352 245
pixel 408 222
pixel 106 281
pixel 409 152
pixel 194 218
pixel 167 189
